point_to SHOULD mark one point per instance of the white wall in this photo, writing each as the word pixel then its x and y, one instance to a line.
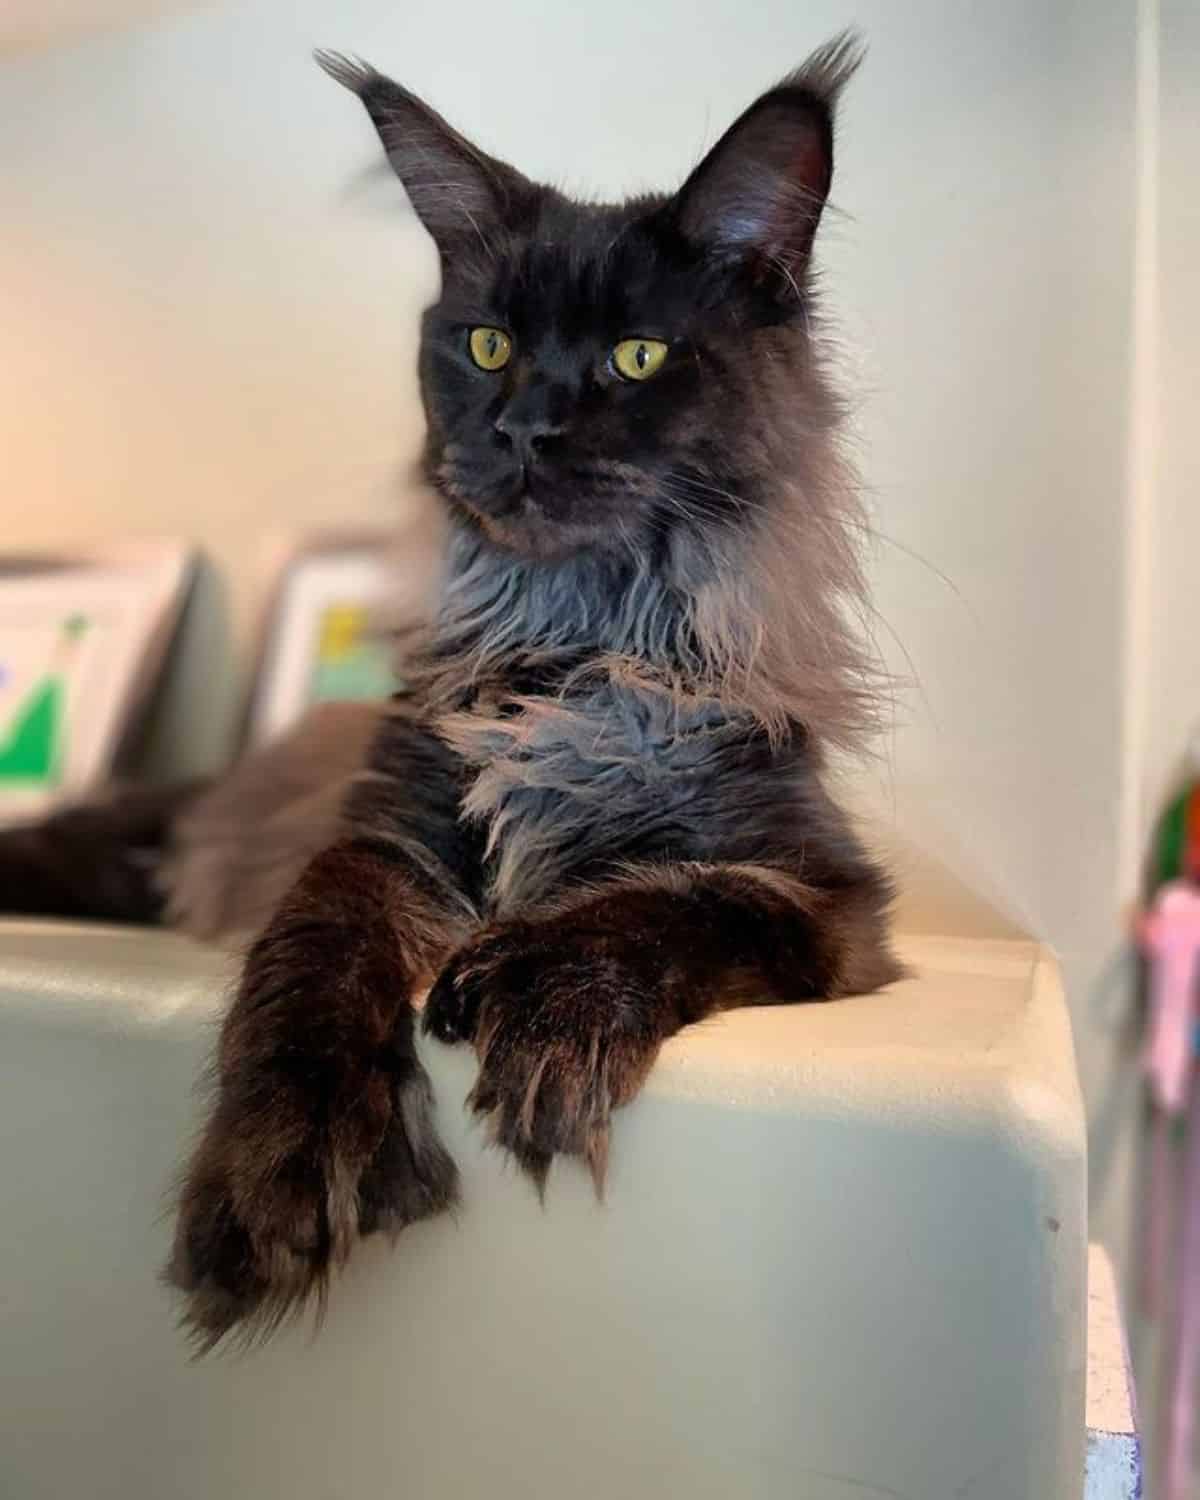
pixel 208 324
pixel 38 23
pixel 1174 499
pixel 1163 603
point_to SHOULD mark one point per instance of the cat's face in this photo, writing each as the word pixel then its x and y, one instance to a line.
pixel 590 372
pixel 583 383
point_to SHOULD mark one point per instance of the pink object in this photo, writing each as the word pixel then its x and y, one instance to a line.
pixel 1159 1226
pixel 1170 933
pixel 1182 1385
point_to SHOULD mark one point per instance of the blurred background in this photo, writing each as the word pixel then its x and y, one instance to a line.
pixel 208 322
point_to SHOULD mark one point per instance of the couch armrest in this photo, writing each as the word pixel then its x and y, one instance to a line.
pixel 842 1256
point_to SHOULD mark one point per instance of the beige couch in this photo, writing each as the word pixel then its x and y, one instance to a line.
pixel 842 1258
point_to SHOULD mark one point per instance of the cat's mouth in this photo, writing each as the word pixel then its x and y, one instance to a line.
pixel 525 489
pixel 532 512
pixel 545 509
pixel 526 492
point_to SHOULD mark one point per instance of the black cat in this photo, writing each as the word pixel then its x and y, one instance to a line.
pixel 600 815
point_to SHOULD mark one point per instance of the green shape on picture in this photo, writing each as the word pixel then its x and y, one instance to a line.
pixel 29 753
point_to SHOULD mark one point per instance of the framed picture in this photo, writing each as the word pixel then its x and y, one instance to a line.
pixel 83 640
pixel 328 631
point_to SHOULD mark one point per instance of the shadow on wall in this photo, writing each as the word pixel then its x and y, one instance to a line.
pixel 193 726
pixel 935 898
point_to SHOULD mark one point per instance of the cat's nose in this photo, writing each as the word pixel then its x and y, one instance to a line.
pixel 530 437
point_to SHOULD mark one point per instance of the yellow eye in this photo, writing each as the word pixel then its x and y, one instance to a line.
pixel 490 348
pixel 638 359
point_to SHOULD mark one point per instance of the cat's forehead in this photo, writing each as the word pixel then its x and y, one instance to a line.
pixel 580 270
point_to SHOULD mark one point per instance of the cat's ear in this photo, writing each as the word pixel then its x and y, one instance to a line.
pixel 759 193
pixel 457 191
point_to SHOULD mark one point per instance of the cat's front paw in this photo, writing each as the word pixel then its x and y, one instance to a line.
pixel 323 1130
pixel 566 1026
pixel 278 1191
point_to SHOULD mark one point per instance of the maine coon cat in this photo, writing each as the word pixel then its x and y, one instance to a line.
pixel 599 815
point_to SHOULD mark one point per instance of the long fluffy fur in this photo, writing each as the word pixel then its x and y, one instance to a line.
pixel 759 609
pixel 239 845
pixel 600 813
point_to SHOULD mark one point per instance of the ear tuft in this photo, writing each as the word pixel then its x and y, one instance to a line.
pixel 827 71
pixel 351 72
pixel 457 191
pixel 758 196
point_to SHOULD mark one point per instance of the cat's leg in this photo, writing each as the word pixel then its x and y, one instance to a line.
pixel 210 857
pixel 99 859
pixel 567 1009
pixel 322 1127
pixel 236 850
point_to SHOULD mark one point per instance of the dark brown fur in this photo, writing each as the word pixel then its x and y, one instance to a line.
pixel 567 1007
pixel 100 859
pixel 322 1128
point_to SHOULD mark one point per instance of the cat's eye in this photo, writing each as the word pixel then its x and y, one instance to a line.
pixel 638 359
pixel 491 348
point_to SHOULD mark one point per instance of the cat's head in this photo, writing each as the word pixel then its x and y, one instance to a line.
pixel 597 376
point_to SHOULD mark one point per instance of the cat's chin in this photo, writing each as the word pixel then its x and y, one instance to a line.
pixel 523 524
pixel 531 535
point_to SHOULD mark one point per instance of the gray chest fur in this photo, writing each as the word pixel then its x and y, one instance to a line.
pixel 575 783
